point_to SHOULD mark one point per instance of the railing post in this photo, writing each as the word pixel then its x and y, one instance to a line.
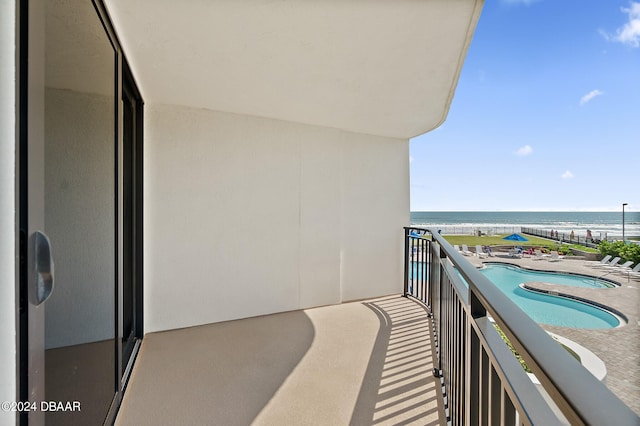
pixel 429 260
pixel 441 275
pixel 406 261
pixel 423 269
pixel 473 361
pixel 476 310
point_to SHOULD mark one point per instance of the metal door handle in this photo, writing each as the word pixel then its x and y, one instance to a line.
pixel 43 269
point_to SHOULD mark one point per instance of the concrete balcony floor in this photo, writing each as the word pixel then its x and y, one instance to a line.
pixel 358 363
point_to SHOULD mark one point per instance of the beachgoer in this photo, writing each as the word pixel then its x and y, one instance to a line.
pixel 487 250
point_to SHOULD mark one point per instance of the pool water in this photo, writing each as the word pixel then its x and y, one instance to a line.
pixel 544 308
pixel 547 309
pixel 508 273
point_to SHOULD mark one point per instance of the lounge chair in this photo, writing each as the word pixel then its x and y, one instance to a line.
pixel 603 261
pixel 620 267
pixel 537 255
pixel 514 252
pixel 635 271
pixel 628 269
pixel 466 251
pixel 457 248
pixel 554 256
pixel 480 252
pixel 613 261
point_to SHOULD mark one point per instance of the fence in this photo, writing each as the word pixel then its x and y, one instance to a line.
pixel 570 238
pixel 474 229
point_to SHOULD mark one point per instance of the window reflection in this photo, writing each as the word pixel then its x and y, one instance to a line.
pixel 80 211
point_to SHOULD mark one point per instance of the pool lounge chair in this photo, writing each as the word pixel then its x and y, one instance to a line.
pixel 629 270
pixel 537 255
pixel 466 251
pixel 603 261
pixel 635 272
pixel 514 252
pixel 613 261
pixel 620 267
pixel 480 252
pixel 555 257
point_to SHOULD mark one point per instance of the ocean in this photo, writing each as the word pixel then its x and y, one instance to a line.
pixel 601 224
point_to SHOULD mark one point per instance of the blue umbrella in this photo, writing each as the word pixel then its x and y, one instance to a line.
pixel 515 237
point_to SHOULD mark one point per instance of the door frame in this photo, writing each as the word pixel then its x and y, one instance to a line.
pixel 129 89
pixel 30 71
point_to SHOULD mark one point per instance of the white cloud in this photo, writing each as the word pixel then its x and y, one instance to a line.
pixel 410 159
pixel 629 33
pixel 567 175
pixel 524 151
pixel 592 94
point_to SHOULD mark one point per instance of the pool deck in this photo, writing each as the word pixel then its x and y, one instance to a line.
pixel 619 348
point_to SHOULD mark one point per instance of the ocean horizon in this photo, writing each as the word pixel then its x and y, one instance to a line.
pixel 601 224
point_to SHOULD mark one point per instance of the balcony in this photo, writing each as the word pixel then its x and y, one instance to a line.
pixel 431 357
pixel 366 362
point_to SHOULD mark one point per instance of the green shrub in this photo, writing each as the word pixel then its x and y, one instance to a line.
pixel 626 251
pixel 521 360
pixel 513 349
pixel 562 249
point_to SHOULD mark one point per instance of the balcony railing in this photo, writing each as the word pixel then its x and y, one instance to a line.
pixel 484 383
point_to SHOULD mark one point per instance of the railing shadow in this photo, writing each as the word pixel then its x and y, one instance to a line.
pixel 398 387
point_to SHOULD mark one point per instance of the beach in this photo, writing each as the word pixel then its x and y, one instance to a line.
pixel 603 225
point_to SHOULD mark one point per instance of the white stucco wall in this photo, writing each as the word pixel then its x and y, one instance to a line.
pixel 79 216
pixel 247 216
pixel 7 210
pixel 374 208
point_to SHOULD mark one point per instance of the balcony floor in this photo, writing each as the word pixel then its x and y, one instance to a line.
pixel 357 363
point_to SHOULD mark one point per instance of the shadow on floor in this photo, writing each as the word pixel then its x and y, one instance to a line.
pixel 398 388
pixel 218 374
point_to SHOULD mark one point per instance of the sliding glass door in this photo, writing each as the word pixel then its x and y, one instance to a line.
pixel 80 211
pixel 80 214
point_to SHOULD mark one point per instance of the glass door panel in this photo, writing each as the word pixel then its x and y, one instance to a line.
pixel 80 211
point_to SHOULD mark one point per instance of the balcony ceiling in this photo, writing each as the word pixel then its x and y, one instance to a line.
pixel 378 67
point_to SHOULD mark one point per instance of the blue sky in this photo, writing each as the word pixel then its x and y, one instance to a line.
pixel 546 115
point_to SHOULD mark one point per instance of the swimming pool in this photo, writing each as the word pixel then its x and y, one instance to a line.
pixel 545 308
pixel 503 272
pixel 549 309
